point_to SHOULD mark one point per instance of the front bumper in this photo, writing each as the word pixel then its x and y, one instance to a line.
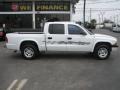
pixel 115 47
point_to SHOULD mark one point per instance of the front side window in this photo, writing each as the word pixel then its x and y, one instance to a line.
pixel 73 29
pixel 56 29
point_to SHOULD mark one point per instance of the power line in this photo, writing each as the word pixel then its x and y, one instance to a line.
pixel 102 2
pixel 99 9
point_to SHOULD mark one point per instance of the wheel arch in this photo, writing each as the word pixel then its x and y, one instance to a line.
pixel 28 42
pixel 103 43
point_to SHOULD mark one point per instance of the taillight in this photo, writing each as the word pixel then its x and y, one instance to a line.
pixel 6 39
pixel 1 33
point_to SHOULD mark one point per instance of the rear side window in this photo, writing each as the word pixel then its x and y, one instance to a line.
pixel 56 29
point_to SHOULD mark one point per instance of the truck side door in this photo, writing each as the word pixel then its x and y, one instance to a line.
pixel 56 38
pixel 78 40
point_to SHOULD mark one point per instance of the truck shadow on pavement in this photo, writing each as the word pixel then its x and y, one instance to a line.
pixel 83 56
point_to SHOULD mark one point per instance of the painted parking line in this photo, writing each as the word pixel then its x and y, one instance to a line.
pixel 12 85
pixel 17 84
pixel 21 84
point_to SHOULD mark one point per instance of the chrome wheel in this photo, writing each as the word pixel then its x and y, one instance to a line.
pixel 103 52
pixel 28 52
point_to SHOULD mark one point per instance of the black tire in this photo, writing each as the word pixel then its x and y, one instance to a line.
pixel 30 50
pixel 102 52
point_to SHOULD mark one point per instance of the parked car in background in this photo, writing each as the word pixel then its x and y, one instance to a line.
pixel 99 26
pixel 116 28
pixel 108 26
pixel 2 34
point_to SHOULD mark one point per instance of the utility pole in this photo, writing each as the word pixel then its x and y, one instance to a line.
pixel 114 19
pixel 117 16
pixel 90 14
pixel 102 16
pixel 84 7
pixel 99 18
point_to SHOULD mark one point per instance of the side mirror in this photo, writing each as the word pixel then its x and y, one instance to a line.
pixel 90 30
pixel 83 33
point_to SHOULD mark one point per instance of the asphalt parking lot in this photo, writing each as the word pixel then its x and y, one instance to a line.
pixel 60 71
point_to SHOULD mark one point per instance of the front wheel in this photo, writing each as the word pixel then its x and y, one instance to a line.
pixel 102 52
pixel 29 52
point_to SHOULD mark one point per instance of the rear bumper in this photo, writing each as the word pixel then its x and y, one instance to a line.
pixel 11 46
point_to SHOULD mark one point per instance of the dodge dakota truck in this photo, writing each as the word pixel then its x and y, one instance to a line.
pixel 61 37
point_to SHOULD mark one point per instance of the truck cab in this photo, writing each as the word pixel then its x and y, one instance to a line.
pixel 67 37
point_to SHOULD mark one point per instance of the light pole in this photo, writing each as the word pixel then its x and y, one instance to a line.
pixel 84 7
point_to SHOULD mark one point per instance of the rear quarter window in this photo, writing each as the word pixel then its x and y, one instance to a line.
pixel 56 29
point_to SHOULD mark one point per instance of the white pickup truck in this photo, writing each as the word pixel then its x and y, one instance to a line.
pixel 61 37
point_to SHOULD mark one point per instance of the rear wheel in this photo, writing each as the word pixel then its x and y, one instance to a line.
pixel 29 52
pixel 102 52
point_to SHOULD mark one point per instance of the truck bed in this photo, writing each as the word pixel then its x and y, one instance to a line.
pixel 11 30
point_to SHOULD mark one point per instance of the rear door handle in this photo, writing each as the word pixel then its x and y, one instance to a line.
pixel 49 37
pixel 69 38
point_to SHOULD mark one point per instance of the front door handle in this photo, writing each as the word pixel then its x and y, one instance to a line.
pixel 49 37
pixel 69 38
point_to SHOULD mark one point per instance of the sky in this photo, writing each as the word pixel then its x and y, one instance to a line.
pixel 100 10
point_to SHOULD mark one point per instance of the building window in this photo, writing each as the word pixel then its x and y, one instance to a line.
pixel 16 20
pixel 56 29
pixel 42 18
